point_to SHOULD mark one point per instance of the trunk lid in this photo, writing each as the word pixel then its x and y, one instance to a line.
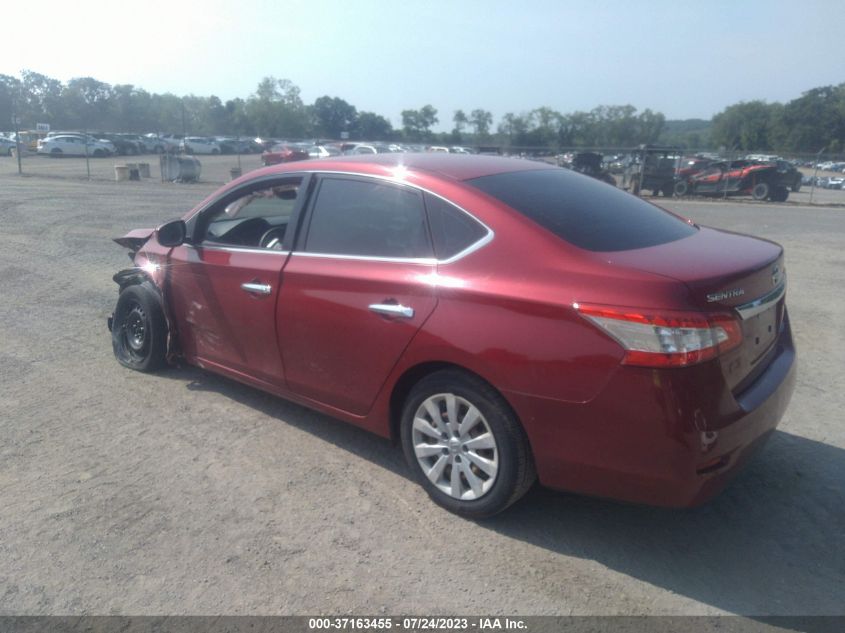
pixel 726 272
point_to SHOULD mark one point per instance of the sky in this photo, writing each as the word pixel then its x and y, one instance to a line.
pixel 685 59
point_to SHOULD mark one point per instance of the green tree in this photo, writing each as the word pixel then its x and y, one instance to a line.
pixel 481 120
pixel 334 115
pixel 276 109
pixel 747 126
pixel 460 119
pixel 417 124
pixel 373 127
pixel 41 98
pixel 813 121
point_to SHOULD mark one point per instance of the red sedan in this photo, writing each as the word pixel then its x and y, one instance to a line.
pixel 284 153
pixel 504 320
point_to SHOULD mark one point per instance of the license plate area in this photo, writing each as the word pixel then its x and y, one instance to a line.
pixel 759 332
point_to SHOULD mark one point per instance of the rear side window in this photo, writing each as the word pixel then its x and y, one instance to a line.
pixel 451 229
pixel 583 211
pixel 367 218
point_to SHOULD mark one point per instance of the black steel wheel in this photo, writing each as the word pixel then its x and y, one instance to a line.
pixel 139 329
pixel 761 191
pixel 465 445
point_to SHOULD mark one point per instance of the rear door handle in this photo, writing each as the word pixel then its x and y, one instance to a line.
pixel 257 288
pixel 393 309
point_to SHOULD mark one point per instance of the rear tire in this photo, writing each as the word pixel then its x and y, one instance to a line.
pixel 56 152
pixel 780 194
pixel 453 461
pixel 761 191
pixel 681 188
pixel 139 329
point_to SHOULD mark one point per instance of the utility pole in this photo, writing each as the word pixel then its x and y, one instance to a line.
pixel 87 161
pixel 815 171
pixel 17 121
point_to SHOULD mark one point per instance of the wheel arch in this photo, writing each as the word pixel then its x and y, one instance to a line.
pixel 412 375
pixel 140 277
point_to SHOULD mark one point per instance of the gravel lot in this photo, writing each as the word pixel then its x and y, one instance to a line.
pixel 185 493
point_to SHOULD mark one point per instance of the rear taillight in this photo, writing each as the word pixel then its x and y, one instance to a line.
pixel 664 338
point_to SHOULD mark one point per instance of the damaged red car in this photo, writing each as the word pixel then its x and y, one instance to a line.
pixel 284 153
pixel 761 181
pixel 505 321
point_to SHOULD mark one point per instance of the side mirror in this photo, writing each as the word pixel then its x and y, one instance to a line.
pixel 172 233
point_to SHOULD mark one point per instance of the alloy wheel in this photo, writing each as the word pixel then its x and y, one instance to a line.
pixel 455 447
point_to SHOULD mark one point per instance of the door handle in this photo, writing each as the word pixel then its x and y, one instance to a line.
pixel 393 309
pixel 257 288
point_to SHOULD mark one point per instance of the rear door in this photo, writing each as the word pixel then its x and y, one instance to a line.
pixel 356 289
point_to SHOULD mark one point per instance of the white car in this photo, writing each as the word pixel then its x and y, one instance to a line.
pixel 6 146
pixel 197 145
pixel 75 145
pixel 323 151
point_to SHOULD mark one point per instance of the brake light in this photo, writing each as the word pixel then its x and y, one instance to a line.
pixel 665 338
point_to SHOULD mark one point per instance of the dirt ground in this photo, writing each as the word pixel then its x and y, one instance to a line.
pixel 185 493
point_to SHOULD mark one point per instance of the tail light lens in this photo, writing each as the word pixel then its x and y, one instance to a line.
pixel 664 338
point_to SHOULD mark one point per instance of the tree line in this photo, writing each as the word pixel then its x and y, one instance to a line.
pixel 814 121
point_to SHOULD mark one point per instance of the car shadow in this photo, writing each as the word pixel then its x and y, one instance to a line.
pixel 773 543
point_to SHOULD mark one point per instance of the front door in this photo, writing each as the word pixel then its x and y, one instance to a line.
pixel 225 285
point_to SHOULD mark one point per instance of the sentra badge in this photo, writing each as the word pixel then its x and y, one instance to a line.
pixel 725 294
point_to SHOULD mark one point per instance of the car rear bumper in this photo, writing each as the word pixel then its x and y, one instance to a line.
pixel 660 437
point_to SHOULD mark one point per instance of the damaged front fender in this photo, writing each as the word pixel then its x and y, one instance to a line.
pixel 150 276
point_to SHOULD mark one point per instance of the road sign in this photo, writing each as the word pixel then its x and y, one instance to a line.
pixel 42 127
pixel 16 120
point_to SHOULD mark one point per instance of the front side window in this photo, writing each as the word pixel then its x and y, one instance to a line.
pixel 257 219
pixel 367 218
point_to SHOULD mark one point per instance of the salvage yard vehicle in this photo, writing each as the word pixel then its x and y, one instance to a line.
pixel 75 145
pixel 502 319
pixel 285 153
pixel 762 181
pixel 590 164
pixel 199 145
pixel 7 146
pixel 653 168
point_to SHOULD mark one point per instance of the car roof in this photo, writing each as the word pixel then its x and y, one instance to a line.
pixel 452 166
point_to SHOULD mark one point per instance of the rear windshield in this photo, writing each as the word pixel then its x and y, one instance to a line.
pixel 583 211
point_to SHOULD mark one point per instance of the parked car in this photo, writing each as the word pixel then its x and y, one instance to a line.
pixel 122 145
pixel 199 145
pixel 762 181
pixel 6 146
pixel 501 319
pixel 159 144
pixel 651 167
pixel 323 151
pixel 284 153
pixel 834 182
pixel 229 145
pixel 590 164
pixel 75 145
pixel 144 144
